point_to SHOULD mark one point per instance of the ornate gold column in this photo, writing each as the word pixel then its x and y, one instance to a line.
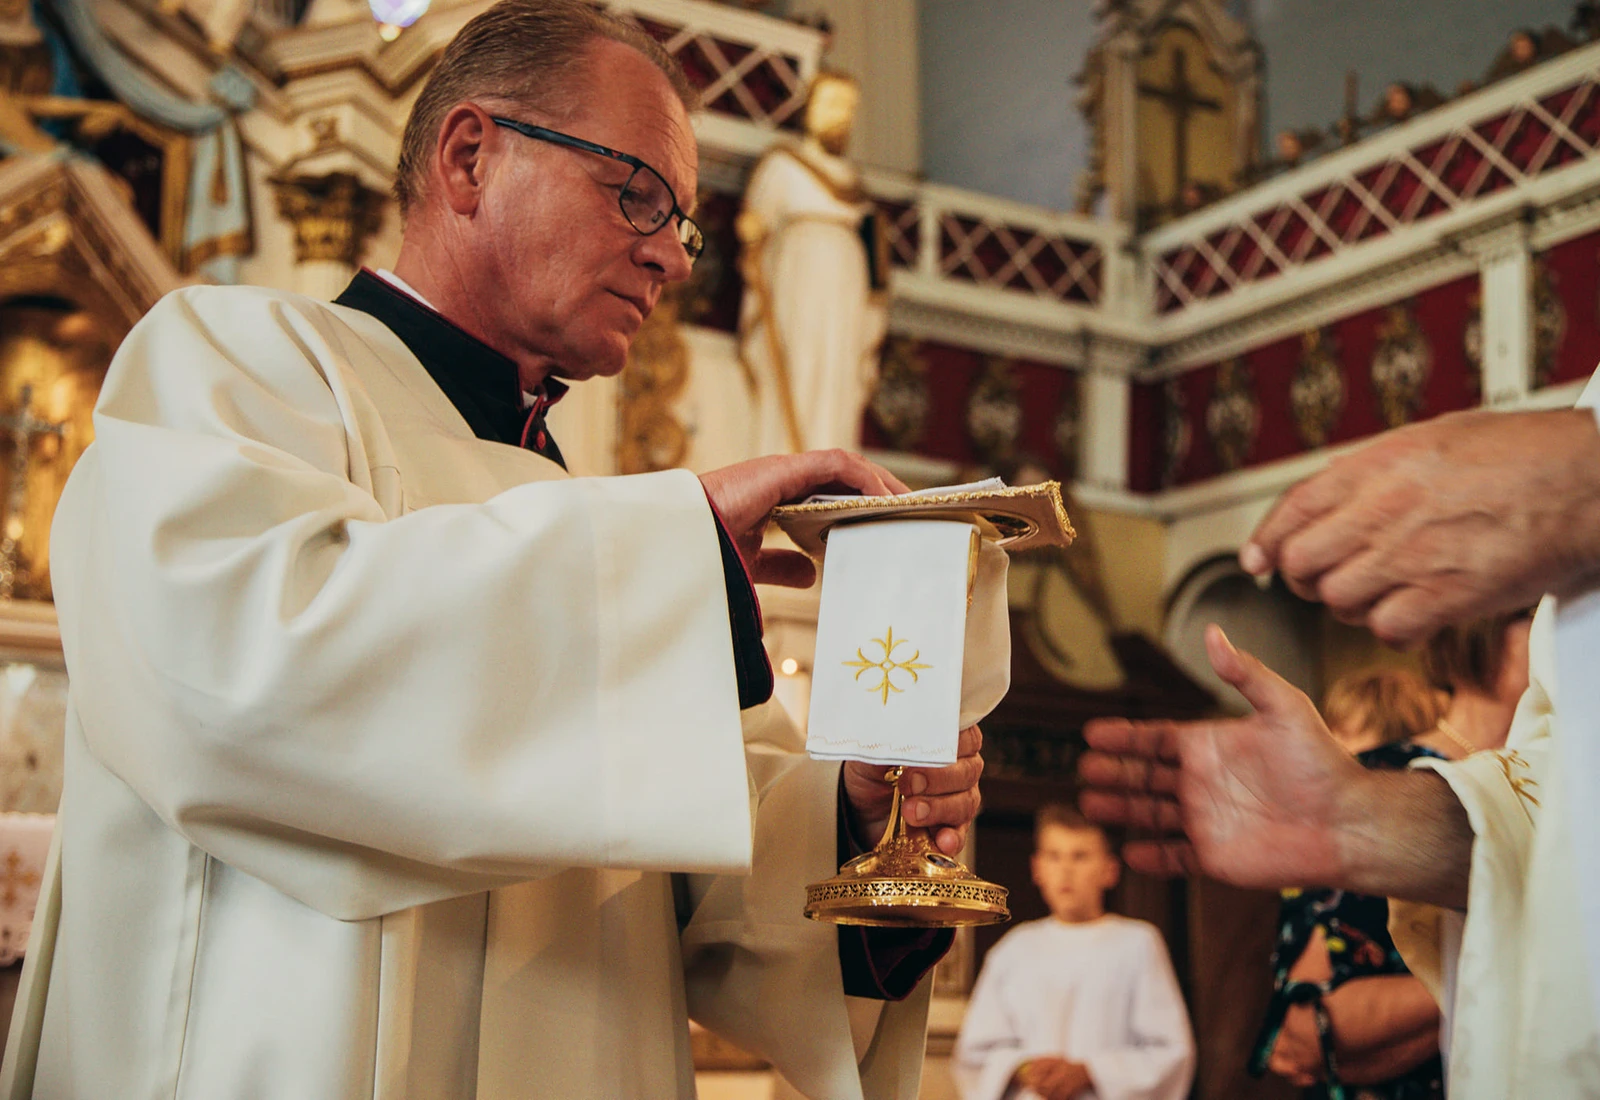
pixel 333 216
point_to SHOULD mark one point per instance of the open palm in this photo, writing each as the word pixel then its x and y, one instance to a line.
pixel 1254 801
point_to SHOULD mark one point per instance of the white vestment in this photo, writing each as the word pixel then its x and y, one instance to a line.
pixel 1522 1022
pixel 810 325
pixel 382 739
pixel 1102 993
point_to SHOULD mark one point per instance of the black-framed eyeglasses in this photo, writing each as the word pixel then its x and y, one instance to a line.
pixel 646 198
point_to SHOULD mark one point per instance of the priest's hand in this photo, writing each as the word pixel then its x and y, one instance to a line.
pixel 745 494
pixel 1463 516
pixel 943 800
pixel 1271 800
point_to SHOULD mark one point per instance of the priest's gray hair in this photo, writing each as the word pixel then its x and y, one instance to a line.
pixel 531 51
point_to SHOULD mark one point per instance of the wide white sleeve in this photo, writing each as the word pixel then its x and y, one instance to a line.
pixel 1502 793
pixel 761 975
pixel 372 711
pixel 990 1045
pixel 1157 1062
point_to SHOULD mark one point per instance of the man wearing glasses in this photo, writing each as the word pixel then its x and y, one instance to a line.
pixel 399 763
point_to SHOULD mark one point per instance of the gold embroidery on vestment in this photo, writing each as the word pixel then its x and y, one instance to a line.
pixel 886 665
pixel 1521 784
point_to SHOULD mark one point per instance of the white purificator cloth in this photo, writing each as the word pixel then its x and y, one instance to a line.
pixel 903 663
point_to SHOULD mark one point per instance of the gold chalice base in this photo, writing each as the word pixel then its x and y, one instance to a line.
pixel 905 882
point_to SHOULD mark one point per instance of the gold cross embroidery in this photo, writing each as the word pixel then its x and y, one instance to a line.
pixel 886 665
pixel 1521 785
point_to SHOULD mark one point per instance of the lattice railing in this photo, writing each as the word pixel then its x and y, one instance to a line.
pixel 749 66
pixel 998 245
pixel 1506 136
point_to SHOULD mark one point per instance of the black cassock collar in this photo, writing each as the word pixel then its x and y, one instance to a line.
pixel 480 382
pixel 483 386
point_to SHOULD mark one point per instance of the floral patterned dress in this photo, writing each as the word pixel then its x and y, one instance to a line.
pixel 1355 928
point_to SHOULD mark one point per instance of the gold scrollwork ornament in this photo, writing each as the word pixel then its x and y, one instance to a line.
pixel 1316 393
pixel 901 399
pixel 1401 364
pixel 994 412
pixel 1176 435
pixel 1233 415
pixel 1549 323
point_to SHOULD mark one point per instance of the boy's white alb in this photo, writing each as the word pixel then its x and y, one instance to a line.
pixel 902 665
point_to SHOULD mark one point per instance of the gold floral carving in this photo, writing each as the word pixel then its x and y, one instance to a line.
pixel 900 398
pixel 1317 394
pixel 51 245
pixel 1549 323
pixel 96 120
pixel 650 436
pixel 1176 435
pixel 333 216
pixel 1472 347
pixel 1233 415
pixel 994 412
pixel 1068 428
pixel 1401 364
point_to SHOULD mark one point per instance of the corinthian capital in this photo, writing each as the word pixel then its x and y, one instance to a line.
pixel 332 215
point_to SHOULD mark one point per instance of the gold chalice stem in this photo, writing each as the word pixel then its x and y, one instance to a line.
pixel 896 825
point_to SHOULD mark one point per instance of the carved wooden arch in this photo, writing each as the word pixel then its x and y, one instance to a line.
pixel 67 232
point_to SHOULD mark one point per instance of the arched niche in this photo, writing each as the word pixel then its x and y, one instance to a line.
pixel 1271 622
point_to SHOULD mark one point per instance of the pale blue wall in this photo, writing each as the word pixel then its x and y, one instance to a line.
pixel 998 102
pixel 1310 44
pixel 998 111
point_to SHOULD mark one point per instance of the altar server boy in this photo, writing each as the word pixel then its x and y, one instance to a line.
pixel 1081 1005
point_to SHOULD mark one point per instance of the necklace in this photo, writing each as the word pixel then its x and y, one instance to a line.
pixel 1453 734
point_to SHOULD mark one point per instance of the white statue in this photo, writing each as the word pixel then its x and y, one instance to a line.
pixel 812 320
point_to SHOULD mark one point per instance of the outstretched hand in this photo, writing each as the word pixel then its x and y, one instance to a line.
pixel 745 494
pixel 1256 801
pixel 1462 516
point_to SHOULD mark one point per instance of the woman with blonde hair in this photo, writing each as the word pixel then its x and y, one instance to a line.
pixel 1346 1017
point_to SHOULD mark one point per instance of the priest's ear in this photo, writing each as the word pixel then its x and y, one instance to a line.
pixel 459 157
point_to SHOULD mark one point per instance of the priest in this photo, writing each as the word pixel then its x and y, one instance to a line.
pixel 400 764
pixel 1465 515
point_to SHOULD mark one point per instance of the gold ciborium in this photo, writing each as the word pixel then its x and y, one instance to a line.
pixel 905 882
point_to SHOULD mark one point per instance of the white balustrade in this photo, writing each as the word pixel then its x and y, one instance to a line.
pixel 1526 141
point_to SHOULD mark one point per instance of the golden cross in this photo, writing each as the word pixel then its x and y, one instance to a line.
pixel 1181 99
pixel 886 665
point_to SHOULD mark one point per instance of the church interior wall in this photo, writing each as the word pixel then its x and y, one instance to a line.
pixel 1567 310
pixel 1310 45
pixel 876 41
pixel 271 263
pixel 1265 404
pixel 1136 550
pixel 999 113
pixel 1033 404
